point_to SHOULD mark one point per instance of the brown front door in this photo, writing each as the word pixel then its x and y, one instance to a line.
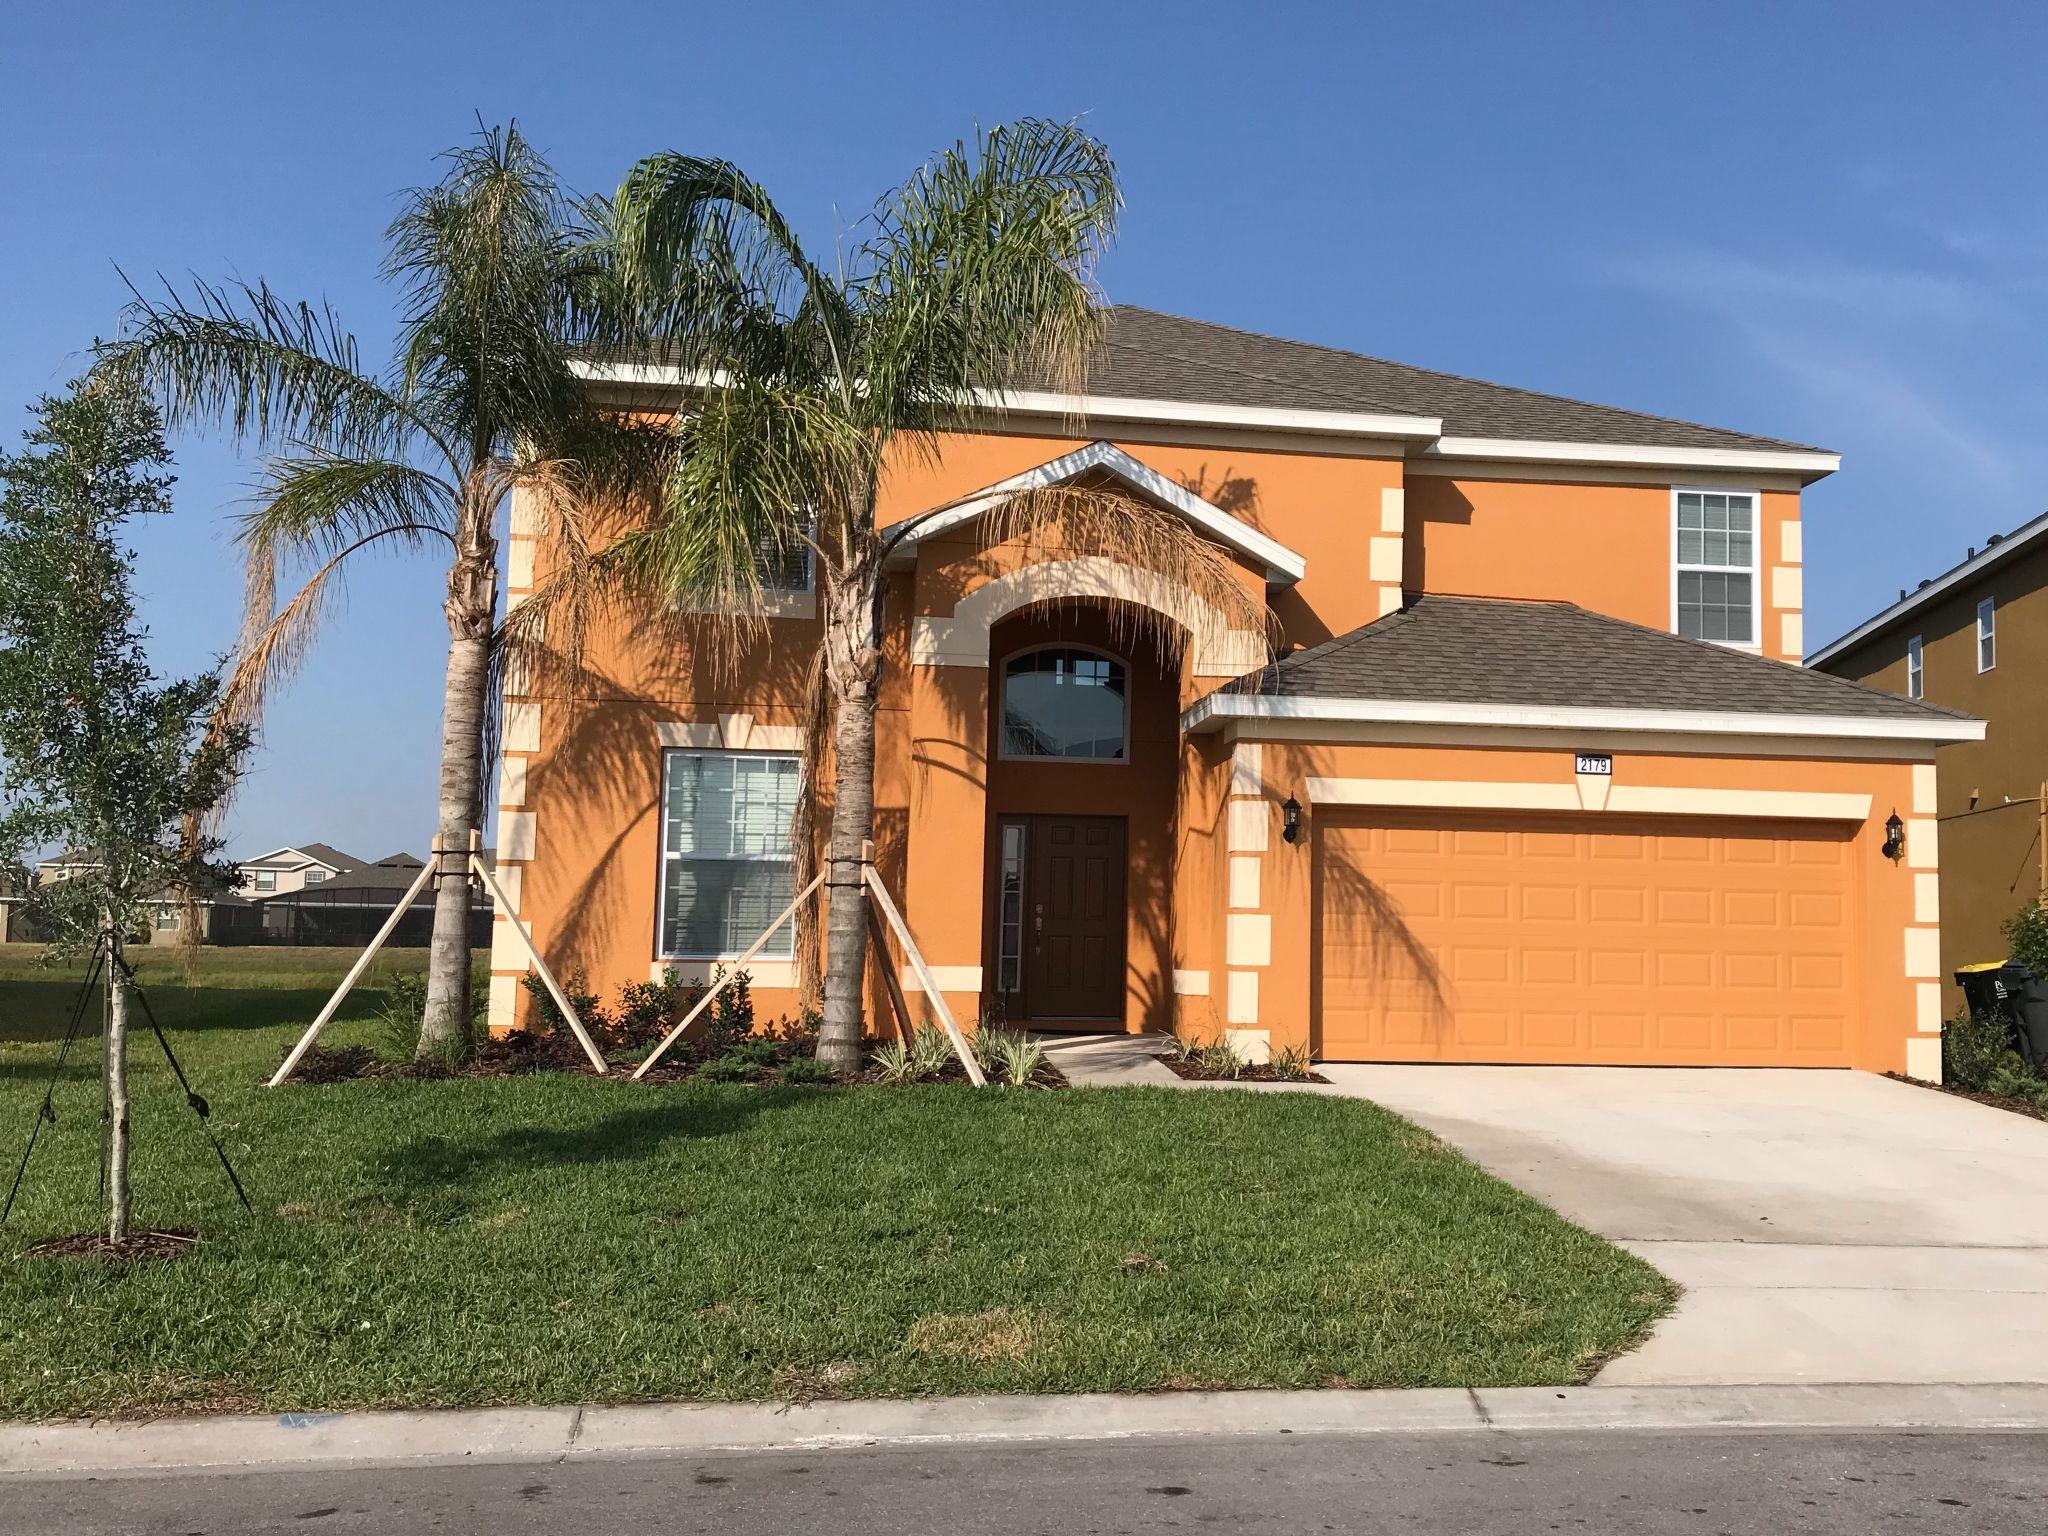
pixel 1073 927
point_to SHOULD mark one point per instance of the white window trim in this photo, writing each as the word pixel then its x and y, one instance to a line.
pixel 662 955
pixel 1916 668
pixel 1987 633
pixel 258 876
pixel 1756 561
pixel 1002 680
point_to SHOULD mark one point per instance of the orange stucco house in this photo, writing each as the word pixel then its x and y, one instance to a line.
pixel 1535 778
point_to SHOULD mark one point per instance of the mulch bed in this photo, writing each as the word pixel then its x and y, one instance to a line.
pixel 1977 1096
pixel 136 1246
pixel 1194 1072
pixel 524 1052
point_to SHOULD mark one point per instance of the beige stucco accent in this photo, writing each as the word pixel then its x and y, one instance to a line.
pixel 1791 543
pixel 735 730
pixel 512 781
pixel 1924 783
pixel 1927 1006
pixel 1247 769
pixel 760 972
pixel 1252 1045
pixel 949 978
pixel 732 733
pixel 1383 559
pixel 1393 509
pixel 962 640
pixel 1594 789
pixel 1242 1004
pixel 504 999
pixel 522 726
pixel 519 561
pixel 515 834
pixel 1792 634
pixel 1247 826
pixel 1923 1058
pixel 1190 983
pixel 1244 880
pixel 1633 799
pixel 1390 600
pixel 507 953
pixel 1927 897
pixel 1923 843
pixel 1923 952
pixel 1249 939
pixel 1788 586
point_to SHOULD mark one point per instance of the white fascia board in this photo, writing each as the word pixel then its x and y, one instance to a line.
pixel 2005 549
pixel 1811 465
pixel 1281 563
pixel 1030 402
pixel 1214 711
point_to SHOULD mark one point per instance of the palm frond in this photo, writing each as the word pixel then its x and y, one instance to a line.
pixel 980 272
pixel 237 355
pixel 317 503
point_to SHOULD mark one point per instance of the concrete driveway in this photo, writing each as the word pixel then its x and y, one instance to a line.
pixel 1827 1226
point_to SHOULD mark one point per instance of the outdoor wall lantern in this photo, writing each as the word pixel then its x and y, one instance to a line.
pixel 1290 820
pixel 1894 837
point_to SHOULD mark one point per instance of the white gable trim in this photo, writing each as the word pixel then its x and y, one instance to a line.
pixel 1281 563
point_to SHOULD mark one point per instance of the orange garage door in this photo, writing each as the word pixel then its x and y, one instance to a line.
pixel 1515 938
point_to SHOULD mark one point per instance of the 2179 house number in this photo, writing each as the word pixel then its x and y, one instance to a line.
pixel 1593 762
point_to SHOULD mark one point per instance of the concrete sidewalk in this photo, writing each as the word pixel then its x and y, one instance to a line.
pixel 516 1435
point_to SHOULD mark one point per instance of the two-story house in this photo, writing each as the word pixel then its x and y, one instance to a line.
pixel 1975 638
pixel 1537 777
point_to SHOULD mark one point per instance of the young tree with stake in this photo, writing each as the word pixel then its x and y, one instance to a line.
pixel 95 753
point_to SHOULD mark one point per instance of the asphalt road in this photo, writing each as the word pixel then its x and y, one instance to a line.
pixel 1470 1484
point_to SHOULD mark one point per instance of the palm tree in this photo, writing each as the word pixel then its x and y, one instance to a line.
pixel 504 277
pixel 808 381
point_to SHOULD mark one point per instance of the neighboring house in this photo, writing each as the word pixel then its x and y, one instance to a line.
pixel 1538 781
pixel 1974 638
pixel 293 869
pixel 224 915
pixel 348 905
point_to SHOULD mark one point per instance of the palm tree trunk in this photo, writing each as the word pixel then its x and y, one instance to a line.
pixel 120 1198
pixel 472 610
pixel 852 662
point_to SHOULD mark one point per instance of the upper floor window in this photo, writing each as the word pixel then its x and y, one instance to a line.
pixel 1916 671
pixel 1716 576
pixel 1061 701
pixel 726 863
pixel 315 876
pixel 266 879
pixel 787 569
pixel 1987 635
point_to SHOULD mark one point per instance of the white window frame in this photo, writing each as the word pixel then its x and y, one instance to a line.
pixel 1002 684
pixel 1987 634
pixel 1916 668
pixel 1755 642
pixel 166 917
pixel 669 755
pixel 316 876
pixel 258 876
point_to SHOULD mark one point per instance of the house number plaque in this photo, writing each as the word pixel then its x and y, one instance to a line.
pixel 1593 762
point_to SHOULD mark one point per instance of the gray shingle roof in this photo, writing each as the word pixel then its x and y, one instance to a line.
pixel 1152 356
pixel 1472 650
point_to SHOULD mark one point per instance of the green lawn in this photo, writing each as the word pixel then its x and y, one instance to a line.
pixel 563 1239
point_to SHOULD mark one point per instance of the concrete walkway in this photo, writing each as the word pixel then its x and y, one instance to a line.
pixel 1827 1226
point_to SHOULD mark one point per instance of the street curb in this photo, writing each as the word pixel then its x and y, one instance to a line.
pixel 512 1435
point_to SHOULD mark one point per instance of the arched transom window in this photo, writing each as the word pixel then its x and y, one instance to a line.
pixel 1065 702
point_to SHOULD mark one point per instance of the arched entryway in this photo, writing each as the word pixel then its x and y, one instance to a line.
pixel 1083 761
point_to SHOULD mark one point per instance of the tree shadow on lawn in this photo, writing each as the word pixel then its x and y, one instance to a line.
pixel 439 1169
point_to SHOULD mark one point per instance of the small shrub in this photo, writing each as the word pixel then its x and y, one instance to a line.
pixel 398 1021
pixel 930 1053
pixel 1220 1060
pixel 2026 937
pixel 2014 1079
pixel 730 1069
pixel 1181 1047
pixel 1973 1048
pixel 806 1069
pixel 1291 1064
pixel 893 1063
pixel 545 1017
pixel 647 1010
pixel 1007 1055
pixel 757 1049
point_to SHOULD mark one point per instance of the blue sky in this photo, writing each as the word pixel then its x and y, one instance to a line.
pixel 1821 223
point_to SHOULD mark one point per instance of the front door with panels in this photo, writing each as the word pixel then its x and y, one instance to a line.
pixel 1060 919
